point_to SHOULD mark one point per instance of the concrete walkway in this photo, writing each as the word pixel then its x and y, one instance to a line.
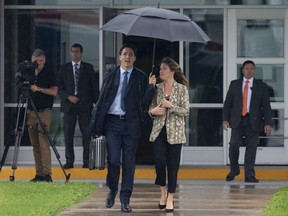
pixel 201 191
pixel 194 197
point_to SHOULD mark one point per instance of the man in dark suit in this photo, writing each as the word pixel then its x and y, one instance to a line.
pixel 119 118
pixel 247 111
pixel 78 90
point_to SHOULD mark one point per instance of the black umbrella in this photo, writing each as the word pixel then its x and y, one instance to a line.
pixel 157 23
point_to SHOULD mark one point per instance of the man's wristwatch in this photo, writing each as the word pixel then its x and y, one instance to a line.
pixel 40 89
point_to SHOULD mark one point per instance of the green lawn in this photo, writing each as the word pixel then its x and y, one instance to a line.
pixel 278 206
pixel 41 198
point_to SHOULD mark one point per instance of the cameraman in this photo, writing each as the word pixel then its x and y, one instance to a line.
pixel 43 86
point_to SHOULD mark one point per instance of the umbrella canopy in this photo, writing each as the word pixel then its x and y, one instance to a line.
pixel 157 23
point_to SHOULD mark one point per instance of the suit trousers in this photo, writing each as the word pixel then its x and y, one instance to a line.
pixel 69 123
pixel 120 142
pixel 244 133
pixel 166 155
pixel 39 141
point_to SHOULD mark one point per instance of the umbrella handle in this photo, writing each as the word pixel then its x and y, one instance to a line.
pixel 153 55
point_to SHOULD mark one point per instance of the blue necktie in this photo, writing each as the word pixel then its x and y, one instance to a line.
pixel 123 90
pixel 76 78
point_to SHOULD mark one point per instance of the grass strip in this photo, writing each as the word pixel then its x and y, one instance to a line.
pixel 278 206
pixel 40 198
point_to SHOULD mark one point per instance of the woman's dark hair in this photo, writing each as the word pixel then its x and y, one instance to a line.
pixel 174 66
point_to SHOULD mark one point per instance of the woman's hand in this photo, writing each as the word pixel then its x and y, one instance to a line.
pixel 166 103
pixel 158 111
pixel 152 79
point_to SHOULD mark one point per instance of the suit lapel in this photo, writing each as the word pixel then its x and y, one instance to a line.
pixel 81 69
pixel 116 81
pixel 70 75
pixel 239 88
pixel 254 89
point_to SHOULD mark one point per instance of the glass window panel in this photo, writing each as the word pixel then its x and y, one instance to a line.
pixel 273 76
pixel 10 120
pixel 146 2
pixel 54 31
pixel 171 2
pixel 59 2
pixel 205 127
pixel 55 132
pixel 260 38
pixel 203 64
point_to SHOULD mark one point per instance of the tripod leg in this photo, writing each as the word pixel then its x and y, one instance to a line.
pixel 49 139
pixel 18 134
pixel 6 150
pixel 4 157
pixel 15 156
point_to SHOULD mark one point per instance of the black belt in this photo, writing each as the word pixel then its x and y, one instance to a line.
pixel 118 116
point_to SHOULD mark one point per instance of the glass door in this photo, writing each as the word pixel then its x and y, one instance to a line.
pixel 259 35
pixel 112 42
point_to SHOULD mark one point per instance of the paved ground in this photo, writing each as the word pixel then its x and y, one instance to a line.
pixel 194 197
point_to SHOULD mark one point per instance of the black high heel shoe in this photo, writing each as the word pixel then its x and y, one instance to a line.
pixel 170 210
pixel 160 206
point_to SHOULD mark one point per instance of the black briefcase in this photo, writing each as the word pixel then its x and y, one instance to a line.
pixel 97 157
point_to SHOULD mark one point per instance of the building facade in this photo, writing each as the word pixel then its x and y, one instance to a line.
pixel 238 31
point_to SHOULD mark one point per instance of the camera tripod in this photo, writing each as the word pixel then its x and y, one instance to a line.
pixel 18 132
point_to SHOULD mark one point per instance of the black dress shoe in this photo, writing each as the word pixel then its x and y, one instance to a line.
pixel 48 178
pixel 251 179
pixel 110 200
pixel 37 178
pixel 231 176
pixel 160 206
pixel 68 166
pixel 125 208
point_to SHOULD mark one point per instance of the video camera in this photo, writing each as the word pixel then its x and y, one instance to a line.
pixel 25 72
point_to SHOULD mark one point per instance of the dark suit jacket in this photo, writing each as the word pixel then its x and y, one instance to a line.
pixel 138 96
pixel 88 86
pixel 260 110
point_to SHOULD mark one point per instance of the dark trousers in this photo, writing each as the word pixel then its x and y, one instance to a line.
pixel 166 155
pixel 120 142
pixel 251 141
pixel 69 123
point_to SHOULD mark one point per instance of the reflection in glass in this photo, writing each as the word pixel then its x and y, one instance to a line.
pixel 56 129
pixel 54 31
pixel 110 3
pixel 273 76
pixel 260 38
pixel 205 127
pixel 203 64
pixel 10 119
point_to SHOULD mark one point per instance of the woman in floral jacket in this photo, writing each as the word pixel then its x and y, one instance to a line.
pixel 169 107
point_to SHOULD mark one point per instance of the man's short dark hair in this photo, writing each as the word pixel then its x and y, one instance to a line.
pixel 248 62
pixel 76 45
pixel 127 45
